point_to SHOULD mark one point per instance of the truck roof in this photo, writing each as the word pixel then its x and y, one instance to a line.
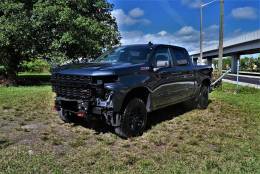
pixel 154 45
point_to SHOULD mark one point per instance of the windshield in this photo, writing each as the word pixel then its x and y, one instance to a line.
pixel 130 54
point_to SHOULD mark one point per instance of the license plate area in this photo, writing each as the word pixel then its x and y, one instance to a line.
pixel 70 105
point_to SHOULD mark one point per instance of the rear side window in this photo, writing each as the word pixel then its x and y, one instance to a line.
pixel 180 56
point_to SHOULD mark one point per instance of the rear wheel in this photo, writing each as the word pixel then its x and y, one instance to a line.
pixel 200 101
pixel 133 120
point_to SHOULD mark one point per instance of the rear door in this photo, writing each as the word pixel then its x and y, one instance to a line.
pixel 182 73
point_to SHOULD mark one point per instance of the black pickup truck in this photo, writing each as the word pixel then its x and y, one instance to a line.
pixel 126 83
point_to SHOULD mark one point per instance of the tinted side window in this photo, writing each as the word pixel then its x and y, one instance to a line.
pixel 180 56
pixel 162 54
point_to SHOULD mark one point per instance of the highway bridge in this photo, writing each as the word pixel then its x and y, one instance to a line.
pixel 245 44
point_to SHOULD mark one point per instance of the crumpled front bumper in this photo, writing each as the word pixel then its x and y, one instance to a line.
pixel 87 109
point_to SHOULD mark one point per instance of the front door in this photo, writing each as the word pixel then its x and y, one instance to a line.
pixel 161 89
pixel 175 82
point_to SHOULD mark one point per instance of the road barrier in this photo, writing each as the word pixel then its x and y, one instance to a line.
pixel 218 81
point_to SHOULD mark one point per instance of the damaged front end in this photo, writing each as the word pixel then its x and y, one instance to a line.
pixel 85 97
pixel 106 109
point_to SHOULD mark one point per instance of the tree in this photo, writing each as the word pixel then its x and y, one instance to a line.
pixel 67 29
pixel 258 64
pixel 226 63
pixel 244 64
pixel 14 35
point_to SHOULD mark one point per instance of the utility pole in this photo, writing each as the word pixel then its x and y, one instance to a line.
pixel 221 36
pixel 201 35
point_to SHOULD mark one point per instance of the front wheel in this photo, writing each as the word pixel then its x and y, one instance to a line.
pixel 203 98
pixel 65 116
pixel 133 120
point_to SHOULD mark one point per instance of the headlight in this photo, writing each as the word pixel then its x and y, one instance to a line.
pixel 105 79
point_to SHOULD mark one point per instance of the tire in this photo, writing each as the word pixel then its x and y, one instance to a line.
pixel 133 120
pixel 64 116
pixel 190 104
pixel 203 97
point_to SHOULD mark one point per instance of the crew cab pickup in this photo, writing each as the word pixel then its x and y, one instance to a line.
pixel 125 84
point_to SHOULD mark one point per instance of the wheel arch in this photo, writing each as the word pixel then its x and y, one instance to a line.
pixel 139 92
pixel 206 82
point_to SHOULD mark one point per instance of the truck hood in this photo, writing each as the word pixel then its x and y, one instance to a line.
pixel 100 69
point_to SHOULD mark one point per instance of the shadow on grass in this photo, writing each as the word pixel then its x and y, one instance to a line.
pixel 98 125
pixel 154 118
pixel 33 80
pixel 168 113
pixel 28 80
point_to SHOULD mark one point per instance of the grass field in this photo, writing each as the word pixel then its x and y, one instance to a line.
pixel 20 74
pixel 225 138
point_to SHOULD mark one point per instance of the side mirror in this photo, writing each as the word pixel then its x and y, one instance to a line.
pixel 162 63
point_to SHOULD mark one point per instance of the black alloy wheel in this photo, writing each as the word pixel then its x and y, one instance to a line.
pixel 133 120
pixel 203 98
pixel 65 116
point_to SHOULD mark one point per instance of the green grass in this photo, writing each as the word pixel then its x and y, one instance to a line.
pixel 36 76
pixel 225 138
pixel 247 98
pixel 20 74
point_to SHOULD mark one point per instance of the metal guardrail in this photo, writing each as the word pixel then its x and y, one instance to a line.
pixel 220 78
pixel 246 73
pixel 249 73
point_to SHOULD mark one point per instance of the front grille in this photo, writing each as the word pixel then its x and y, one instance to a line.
pixel 60 78
pixel 72 92
pixel 71 86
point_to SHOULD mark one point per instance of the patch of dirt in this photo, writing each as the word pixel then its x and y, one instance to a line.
pixel 36 126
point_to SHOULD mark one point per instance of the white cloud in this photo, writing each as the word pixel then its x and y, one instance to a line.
pixel 162 33
pixel 162 37
pixel 244 13
pixel 186 30
pixel 186 36
pixel 132 37
pixel 211 32
pixel 213 27
pixel 123 19
pixel 191 3
pixel 136 12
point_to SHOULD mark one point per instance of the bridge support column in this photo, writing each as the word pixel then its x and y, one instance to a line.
pixel 234 60
pixel 209 61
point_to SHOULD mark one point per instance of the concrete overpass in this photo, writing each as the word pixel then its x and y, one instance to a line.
pixel 245 44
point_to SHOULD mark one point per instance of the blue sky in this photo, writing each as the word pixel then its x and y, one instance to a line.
pixel 177 21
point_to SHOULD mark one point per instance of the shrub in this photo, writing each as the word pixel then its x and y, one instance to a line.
pixel 246 64
pixel 35 65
